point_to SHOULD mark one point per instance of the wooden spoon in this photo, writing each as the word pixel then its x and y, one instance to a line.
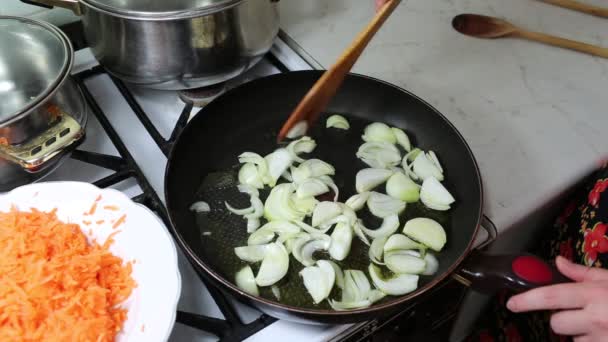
pixel 326 87
pixel 579 6
pixel 482 26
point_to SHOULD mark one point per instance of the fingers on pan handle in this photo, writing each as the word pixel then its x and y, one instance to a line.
pixel 517 272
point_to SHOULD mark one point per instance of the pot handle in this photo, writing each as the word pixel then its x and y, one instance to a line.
pixel 518 272
pixel 72 5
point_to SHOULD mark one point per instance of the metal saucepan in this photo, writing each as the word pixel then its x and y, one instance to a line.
pixel 203 166
pixel 42 111
pixel 176 44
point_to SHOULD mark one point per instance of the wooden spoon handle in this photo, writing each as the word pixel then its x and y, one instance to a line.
pixel 579 6
pixel 326 87
pixel 563 42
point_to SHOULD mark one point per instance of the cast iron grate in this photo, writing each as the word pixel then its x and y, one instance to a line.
pixel 124 167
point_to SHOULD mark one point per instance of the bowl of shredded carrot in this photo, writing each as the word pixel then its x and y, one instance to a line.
pixel 79 263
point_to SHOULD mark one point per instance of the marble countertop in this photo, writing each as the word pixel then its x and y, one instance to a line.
pixel 534 115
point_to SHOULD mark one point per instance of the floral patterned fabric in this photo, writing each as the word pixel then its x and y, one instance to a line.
pixel 578 234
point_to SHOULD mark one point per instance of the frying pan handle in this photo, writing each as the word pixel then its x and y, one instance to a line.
pixel 518 272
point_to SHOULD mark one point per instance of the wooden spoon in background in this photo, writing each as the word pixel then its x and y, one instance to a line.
pixel 579 6
pixel 482 26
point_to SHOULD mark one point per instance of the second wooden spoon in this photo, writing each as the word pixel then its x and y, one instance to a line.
pixel 482 26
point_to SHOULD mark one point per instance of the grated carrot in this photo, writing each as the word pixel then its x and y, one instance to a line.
pixel 54 285
pixel 93 209
pixel 120 221
pixel 86 223
pixel 100 221
pixel 111 207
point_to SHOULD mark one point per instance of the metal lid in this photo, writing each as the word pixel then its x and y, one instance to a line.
pixel 161 9
pixel 34 59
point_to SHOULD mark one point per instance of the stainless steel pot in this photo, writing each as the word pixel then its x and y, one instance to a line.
pixel 177 44
pixel 42 111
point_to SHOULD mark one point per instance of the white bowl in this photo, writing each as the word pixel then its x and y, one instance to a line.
pixel 143 238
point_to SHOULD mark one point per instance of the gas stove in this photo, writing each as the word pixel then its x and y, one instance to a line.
pixel 129 134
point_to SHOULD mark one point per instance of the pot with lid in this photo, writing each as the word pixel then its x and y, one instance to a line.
pixel 178 44
pixel 42 111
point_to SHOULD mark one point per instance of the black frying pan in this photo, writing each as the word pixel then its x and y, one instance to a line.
pixel 203 166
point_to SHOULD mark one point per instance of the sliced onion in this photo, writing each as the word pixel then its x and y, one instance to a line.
pixel 357 202
pixel 372 297
pixel 330 183
pixel 304 205
pixel 401 242
pixel 337 121
pixel 249 190
pixel 343 306
pixel 325 211
pixel 253 224
pixel 200 207
pixel 380 155
pixel 311 168
pixel 395 286
pixel 311 187
pixel 426 231
pixel 287 176
pixel 375 295
pixel 259 161
pixel 357 229
pixel 299 242
pixel 312 230
pixel 302 145
pixel 240 212
pixel 411 155
pixel 367 179
pixel 278 162
pixel 249 174
pixel 425 168
pixel 258 209
pixel 319 280
pixel 433 157
pixel 376 250
pixel 339 274
pixel 403 188
pixel 245 280
pixel 298 130
pixel 267 232
pixel 381 205
pixel 260 237
pixel 341 240
pixel 276 292
pixel 254 253
pixel 402 139
pixel 288 240
pixel 349 214
pixel 274 266
pixel 402 262
pixel 304 252
pixel 434 195
pixel 390 224
pixel 356 286
pixel 432 264
pixel 254 211
pixel 279 204
pixel 379 132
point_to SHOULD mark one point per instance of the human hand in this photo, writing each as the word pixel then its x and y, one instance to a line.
pixel 380 3
pixel 582 305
